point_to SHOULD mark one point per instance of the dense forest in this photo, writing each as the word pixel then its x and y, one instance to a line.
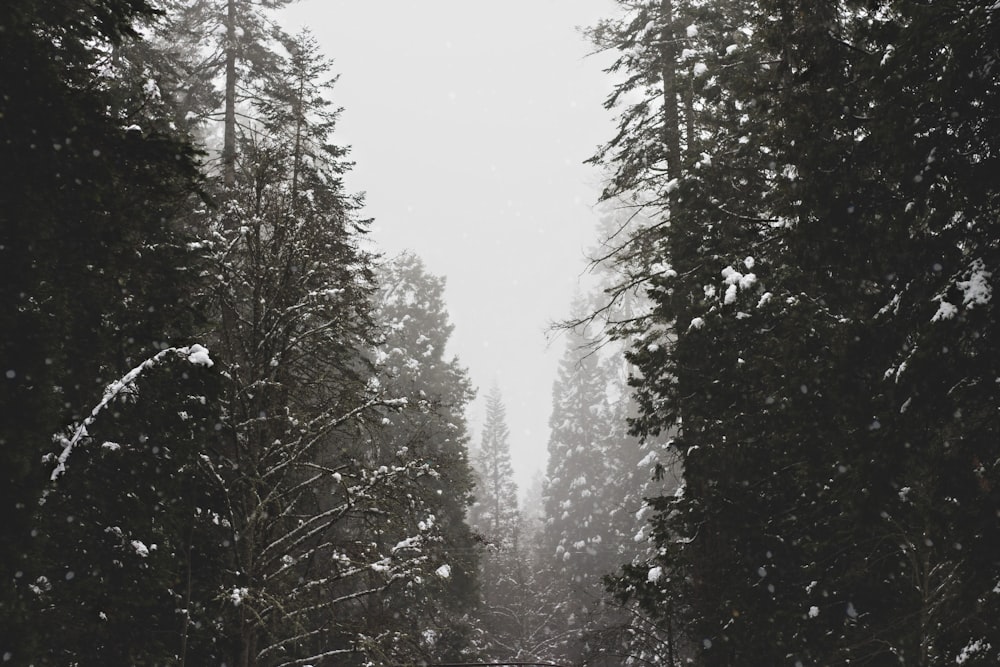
pixel 232 434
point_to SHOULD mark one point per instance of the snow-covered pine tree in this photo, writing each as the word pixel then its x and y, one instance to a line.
pixel 128 539
pixel 639 469
pixel 599 477
pixel 642 471
pixel 432 618
pixel 91 275
pixel 292 291
pixel 496 522
pixel 579 544
pixel 807 266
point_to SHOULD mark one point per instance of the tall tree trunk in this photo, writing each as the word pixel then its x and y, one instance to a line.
pixel 668 72
pixel 689 118
pixel 229 136
pixel 670 635
pixel 299 123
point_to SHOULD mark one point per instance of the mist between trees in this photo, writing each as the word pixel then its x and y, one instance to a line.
pixel 231 434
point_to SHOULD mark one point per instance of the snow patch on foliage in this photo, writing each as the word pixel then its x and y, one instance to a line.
pixel 660 269
pixel 198 355
pixel 976 290
pixel 408 543
pixel 945 311
pixel 977 646
pixel 736 281
pixel 140 549
pixel 237 595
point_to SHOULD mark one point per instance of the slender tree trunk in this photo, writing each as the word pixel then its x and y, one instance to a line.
pixel 187 598
pixel 668 72
pixel 246 647
pixel 299 122
pixel 689 118
pixel 229 136
pixel 670 635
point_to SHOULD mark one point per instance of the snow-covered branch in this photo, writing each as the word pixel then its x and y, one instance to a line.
pixel 195 354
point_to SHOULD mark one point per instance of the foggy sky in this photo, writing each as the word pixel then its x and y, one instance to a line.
pixel 469 122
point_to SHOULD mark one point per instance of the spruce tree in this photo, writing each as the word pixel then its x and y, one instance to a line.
pixel 495 521
pixel 795 283
pixel 411 361
pixel 579 540
pixel 129 537
pixel 95 276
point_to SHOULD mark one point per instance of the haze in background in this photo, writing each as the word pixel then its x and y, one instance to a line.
pixel 469 123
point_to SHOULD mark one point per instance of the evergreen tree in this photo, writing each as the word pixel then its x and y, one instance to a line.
pixel 93 275
pixel 598 480
pixel 494 515
pixel 214 61
pixel 803 259
pixel 411 362
pixel 292 294
pixel 579 541
pixel 268 511
pixel 495 520
pixel 247 59
pixel 128 530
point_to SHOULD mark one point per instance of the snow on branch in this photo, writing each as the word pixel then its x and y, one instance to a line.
pixel 195 354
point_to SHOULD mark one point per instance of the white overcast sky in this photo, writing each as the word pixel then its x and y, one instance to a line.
pixel 469 122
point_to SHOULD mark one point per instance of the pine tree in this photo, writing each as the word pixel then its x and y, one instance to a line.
pixel 247 59
pixel 598 480
pixel 495 520
pixel 412 364
pixel 237 515
pixel 798 266
pixel 93 270
pixel 495 513
pixel 293 297
pixel 128 537
pixel 213 61
pixel 579 542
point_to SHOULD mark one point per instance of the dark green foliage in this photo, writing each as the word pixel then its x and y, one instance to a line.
pixel 130 535
pixel 825 288
pixel 412 363
pixel 237 514
pixel 495 519
pixel 91 272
